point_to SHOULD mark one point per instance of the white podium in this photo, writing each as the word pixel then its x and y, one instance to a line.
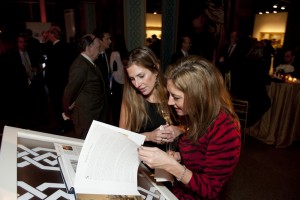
pixel 29 168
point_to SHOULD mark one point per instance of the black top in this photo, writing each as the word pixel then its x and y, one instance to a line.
pixel 154 121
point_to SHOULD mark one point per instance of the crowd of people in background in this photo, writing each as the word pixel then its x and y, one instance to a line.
pixel 248 60
pixel 101 80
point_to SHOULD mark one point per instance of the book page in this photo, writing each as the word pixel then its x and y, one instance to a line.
pixel 108 161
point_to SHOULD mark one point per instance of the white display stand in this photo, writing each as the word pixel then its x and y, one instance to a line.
pixel 29 169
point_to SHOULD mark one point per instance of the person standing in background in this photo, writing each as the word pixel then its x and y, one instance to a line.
pixel 210 148
pixel 230 54
pixel 45 45
pixel 84 97
pixel 118 58
pixel 155 45
pixel 103 63
pixel 56 74
pixel 185 45
pixel 17 75
pixel 33 46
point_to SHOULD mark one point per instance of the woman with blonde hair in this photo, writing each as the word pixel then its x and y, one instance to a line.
pixel 144 106
pixel 209 150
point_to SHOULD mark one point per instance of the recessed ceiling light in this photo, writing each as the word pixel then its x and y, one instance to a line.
pixel 274 11
pixel 267 12
pixel 275 6
pixel 282 8
pixel 260 13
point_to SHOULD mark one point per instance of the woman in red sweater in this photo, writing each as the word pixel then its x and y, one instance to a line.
pixel 209 150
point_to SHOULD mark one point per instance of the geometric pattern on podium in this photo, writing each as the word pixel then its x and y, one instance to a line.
pixel 39 176
pixel 35 157
pixel 37 193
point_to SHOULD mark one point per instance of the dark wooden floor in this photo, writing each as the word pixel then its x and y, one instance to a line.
pixel 265 173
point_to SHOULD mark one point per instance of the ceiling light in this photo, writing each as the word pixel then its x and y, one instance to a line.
pixel 274 11
pixel 282 8
pixel 155 13
pixel 260 13
pixel 267 12
pixel 275 6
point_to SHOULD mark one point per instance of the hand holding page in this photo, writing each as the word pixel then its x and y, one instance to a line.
pixel 108 162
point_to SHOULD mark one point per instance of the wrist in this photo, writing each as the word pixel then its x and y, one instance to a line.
pixel 147 139
pixel 182 174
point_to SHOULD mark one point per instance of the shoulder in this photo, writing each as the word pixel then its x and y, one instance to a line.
pixel 81 63
pixel 224 127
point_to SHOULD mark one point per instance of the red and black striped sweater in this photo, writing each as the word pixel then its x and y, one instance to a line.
pixel 212 159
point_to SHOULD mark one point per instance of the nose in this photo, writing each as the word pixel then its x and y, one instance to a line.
pixel 171 101
pixel 136 83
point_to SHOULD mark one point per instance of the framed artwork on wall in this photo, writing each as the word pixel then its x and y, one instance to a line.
pixel 277 38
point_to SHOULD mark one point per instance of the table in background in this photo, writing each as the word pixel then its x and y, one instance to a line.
pixel 280 125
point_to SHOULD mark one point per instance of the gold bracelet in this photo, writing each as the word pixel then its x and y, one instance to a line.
pixel 183 173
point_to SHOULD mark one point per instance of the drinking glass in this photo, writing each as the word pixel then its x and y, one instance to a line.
pixel 171 147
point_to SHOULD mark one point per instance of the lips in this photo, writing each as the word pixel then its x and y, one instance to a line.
pixel 178 110
pixel 142 90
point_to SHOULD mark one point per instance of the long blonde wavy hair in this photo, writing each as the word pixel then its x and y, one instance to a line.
pixel 134 102
pixel 205 93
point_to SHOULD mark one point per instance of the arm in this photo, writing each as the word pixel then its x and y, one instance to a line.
pixel 220 159
pixel 156 158
pixel 208 167
pixel 158 135
pixel 76 81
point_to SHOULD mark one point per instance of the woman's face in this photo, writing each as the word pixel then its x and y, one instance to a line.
pixel 142 79
pixel 176 98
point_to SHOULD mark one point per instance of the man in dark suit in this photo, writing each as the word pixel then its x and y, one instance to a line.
pixel 85 96
pixel 24 90
pixel 185 45
pixel 232 53
pixel 103 63
pixel 56 73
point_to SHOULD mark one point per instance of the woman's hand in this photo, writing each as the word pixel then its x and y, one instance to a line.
pixel 155 157
pixel 174 131
pixel 177 156
pixel 158 159
pixel 160 135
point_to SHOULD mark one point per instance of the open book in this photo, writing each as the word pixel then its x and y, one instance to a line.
pixel 108 162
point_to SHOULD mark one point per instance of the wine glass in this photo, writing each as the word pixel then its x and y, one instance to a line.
pixel 166 116
pixel 171 147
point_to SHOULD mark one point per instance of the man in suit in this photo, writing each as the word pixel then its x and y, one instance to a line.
pixel 228 54
pixel 85 96
pixel 185 45
pixel 26 85
pixel 56 74
pixel 103 63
